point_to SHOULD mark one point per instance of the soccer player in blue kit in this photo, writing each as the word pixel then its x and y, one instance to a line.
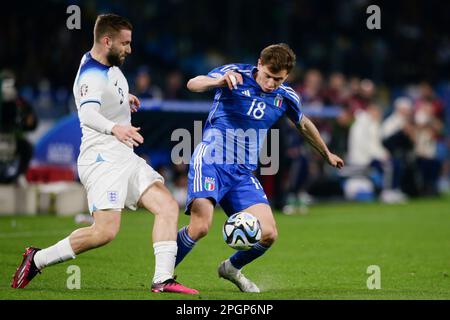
pixel 221 169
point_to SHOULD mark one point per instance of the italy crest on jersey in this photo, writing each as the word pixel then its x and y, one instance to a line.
pixel 210 184
pixel 278 101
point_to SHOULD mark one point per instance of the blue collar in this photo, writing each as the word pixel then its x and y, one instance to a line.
pixel 89 56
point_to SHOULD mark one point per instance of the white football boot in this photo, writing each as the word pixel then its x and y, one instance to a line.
pixel 227 271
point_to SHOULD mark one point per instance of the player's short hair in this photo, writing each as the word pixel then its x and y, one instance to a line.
pixel 110 24
pixel 278 57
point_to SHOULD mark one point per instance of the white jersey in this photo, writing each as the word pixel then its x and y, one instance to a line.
pixel 108 87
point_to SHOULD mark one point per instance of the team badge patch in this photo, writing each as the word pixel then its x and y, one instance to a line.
pixel 278 101
pixel 113 196
pixel 210 184
pixel 83 90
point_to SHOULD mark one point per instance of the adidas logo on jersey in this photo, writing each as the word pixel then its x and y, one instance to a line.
pixel 246 93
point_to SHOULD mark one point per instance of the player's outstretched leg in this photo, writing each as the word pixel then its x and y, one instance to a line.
pixel 104 230
pixel 230 269
pixel 158 200
pixel 201 211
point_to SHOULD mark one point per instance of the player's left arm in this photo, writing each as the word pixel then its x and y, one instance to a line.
pixel 134 102
pixel 312 135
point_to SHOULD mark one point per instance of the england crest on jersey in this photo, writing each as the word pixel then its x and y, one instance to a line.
pixel 210 184
pixel 113 196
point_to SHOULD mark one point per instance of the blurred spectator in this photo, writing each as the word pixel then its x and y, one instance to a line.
pixel 366 152
pixel 44 104
pixel 175 86
pixel 296 173
pixel 428 129
pixel 17 117
pixel 180 184
pixel 337 92
pixel 354 86
pixel 364 144
pixel 311 90
pixel 427 94
pixel 144 87
pixel 312 93
pixel 397 133
pixel 362 96
pixel 399 125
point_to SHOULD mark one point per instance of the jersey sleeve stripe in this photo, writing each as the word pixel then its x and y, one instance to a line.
pixel 291 93
pixel 288 89
pixel 215 75
pixel 229 67
pixel 295 97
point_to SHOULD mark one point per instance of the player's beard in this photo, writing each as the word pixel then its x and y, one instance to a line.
pixel 113 58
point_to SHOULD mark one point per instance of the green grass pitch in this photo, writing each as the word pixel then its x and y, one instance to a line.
pixel 322 255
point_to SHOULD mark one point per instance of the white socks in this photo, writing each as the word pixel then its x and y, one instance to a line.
pixel 165 255
pixel 61 251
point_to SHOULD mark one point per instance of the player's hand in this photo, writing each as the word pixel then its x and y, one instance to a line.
pixel 231 79
pixel 128 135
pixel 134 102
pixel 334 161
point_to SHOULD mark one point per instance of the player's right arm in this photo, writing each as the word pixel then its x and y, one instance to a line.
pixel 91 117
pixel 91 85
pixel 312 136
pixel 202 83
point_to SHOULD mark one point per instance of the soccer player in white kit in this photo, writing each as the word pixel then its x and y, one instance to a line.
pixel 113 175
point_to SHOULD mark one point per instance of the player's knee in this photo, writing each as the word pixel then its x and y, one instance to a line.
pixel 106 235
pixel 199 230
pixel 269 236
pixel 201 218
pixel 171 210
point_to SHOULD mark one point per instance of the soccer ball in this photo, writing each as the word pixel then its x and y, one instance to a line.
pixel 242 231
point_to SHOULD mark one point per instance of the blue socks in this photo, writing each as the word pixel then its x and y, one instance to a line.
pixel 241 258
pixel 184 243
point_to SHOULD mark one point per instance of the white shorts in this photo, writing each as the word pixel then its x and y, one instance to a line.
pixel 112 185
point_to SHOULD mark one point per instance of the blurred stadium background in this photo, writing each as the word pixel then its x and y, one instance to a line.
pixel 381 98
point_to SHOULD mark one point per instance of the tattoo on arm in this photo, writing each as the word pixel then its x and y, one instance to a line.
pixel 312 135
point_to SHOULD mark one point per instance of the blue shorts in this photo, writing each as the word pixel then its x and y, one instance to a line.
pixel 232 186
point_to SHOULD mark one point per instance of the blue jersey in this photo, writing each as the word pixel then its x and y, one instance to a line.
pixel 239 119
